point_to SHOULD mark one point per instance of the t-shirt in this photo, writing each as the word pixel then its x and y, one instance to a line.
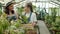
pixel 12 16
pixel 33 16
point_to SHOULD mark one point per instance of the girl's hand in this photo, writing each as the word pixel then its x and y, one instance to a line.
pixel 33 24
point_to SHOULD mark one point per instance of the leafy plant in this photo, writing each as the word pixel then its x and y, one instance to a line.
pixel 20 10
pixel 18 23
pixel 4 24
pixel 51 19
pixel 0 12
pixel 23 18
pixel 53 14
pixel 1 5
pixel 55 26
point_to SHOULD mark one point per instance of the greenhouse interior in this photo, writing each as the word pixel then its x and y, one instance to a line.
pixel 29 16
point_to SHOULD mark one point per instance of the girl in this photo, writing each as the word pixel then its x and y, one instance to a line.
pixel 30 14
pixel 11 14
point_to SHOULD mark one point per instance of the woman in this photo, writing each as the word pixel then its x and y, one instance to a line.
pixel 11 14
pixel 29 13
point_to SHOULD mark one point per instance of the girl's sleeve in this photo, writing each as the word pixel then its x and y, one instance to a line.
pixel 33 17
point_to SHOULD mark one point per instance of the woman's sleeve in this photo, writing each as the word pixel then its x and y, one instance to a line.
pixel 33 17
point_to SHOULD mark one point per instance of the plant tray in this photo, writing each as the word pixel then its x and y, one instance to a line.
pixel 27 26
pixel 31 32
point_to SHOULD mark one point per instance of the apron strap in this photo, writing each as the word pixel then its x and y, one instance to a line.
pixel 29 16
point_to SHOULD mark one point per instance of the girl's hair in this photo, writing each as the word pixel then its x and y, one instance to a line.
pixel 30 6
pixel 6 8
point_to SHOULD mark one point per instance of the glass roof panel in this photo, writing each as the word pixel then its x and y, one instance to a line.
pixel 42 0
pixel 40 3
pixel 56 1
pixel 39 0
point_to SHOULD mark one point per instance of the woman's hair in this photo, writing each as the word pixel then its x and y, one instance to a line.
pixel 6 8
pixel 30 6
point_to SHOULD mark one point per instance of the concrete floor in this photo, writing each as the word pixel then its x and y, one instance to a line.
pixel 42 27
